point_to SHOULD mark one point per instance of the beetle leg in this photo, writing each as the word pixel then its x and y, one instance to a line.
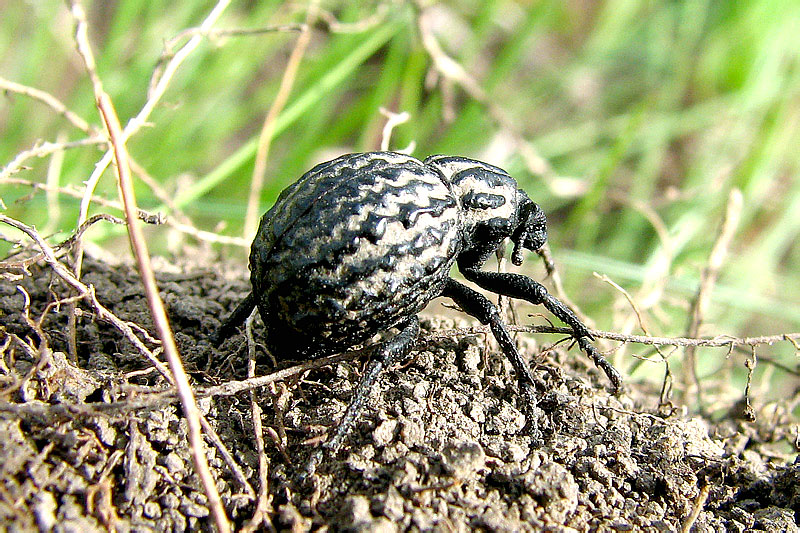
pixel 385 354
pixel 479 306
pixel 524 288
pixel 236 318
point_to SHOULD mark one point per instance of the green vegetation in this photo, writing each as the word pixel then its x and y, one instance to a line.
pixel 648 114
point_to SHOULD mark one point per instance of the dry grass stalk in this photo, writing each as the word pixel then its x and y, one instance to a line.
pixel 117 139
pixel 268 128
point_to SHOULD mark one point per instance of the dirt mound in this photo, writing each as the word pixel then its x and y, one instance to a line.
pixel 444 443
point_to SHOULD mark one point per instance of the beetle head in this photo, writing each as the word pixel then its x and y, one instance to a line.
pixel 531 232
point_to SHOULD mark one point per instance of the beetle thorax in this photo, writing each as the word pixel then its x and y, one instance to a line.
pixel 487 195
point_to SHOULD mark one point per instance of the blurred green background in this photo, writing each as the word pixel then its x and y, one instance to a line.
pixel 646 114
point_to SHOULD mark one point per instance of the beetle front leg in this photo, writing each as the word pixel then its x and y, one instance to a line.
pixel 524 288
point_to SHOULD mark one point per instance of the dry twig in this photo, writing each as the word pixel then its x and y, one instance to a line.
pixel 260 515
pixel 156 400
pixel 42 150
pixel 150 218
pixel 268 128
pixel 63 245
pixel 181 381
pixel 666 386
pixel 159 84
pixel 450 69
pixel 51 101
pixel 708 279
pixel 699 503
pixel 85 291
pixel 394 119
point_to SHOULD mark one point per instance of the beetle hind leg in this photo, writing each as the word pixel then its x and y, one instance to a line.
pixel 235 319
pixel 384 355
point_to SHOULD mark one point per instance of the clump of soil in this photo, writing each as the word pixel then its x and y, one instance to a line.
pixel 444 443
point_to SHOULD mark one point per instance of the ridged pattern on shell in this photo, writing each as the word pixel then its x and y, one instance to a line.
pixel 352 248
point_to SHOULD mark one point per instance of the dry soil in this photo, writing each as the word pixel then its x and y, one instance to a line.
pixel 443 445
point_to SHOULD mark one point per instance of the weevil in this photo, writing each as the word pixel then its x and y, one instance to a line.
pixel 360 244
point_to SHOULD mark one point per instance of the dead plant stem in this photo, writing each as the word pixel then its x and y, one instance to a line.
pixel 260 515
pixel 155 400
pixel 181 381
pixel 51 101
pixel 43 149
pixel 451 70
pixel 268 128
pixel 150 218
pixel 154 96
pixel 708 279
pixel 85 290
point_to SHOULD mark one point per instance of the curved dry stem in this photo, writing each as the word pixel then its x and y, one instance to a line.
pixel 452 70
pixel 708 279
pixel 268 128
pixel 180 379
pixel 42 150
pixel 156 400
pixel 145 216
pixel 154 96
pixel 51 101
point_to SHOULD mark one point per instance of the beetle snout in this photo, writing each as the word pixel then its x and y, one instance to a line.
pixel 532 242
pixel 531 233
pixel 536 242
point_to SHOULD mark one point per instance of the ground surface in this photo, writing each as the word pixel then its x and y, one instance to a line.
pixel 444 445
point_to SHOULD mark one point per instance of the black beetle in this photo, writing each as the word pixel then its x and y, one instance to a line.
pixel 362 243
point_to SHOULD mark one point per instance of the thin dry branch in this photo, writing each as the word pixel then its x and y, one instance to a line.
pixel 51 101
pixel 214 33
pixel 159 83
pixel 268 128
pixel 699 503
pixel 156 400
pixel 708 279
pixel 628 297
pixel 162 398
pixel 150 218
pixel 394 119
pixel 708 342
pixel 85 291
pixel 451 70
pixel 666 385
pixel 65 244
pixel 161 322
pixel 261 513
pixel 80 123
pixel 44 149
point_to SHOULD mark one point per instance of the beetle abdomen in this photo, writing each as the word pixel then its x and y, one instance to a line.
pixel 352 248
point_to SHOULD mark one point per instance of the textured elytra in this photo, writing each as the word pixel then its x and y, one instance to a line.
pixel 352 248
